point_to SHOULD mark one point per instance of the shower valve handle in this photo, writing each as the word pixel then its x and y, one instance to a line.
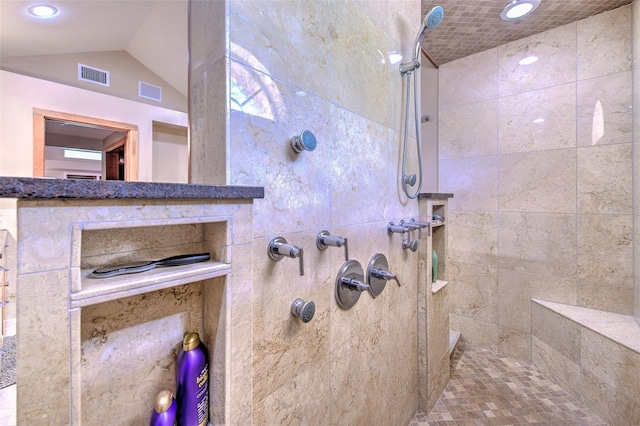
pixel 384 275
pixel 354 284
pixel 278 248
pixel 413 224
pixel 324 240
pixel 400 229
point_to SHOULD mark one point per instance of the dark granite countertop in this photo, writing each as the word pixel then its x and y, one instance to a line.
pixel 435 195
pixel 39 188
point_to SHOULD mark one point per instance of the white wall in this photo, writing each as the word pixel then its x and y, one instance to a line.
pixel 170 147
pixel 20 94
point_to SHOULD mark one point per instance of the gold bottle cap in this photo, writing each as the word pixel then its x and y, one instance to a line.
pixel 163 401
pixel 190 341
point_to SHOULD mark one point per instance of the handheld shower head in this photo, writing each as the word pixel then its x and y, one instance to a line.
pixel 434 17
pixel 430 22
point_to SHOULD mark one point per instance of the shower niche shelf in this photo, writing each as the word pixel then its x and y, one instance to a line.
pixel 102 244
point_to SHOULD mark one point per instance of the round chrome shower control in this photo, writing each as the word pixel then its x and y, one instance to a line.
pixel 411 245
pixel 306 141
pixel 303 310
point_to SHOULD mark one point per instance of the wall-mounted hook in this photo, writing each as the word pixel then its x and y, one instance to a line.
pixel 303 310
pixel 324 240
pixel 278 248
pixel 305 141
pixel 378 274
pixel 349 284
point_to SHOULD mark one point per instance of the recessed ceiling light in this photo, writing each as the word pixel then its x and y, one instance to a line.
pixel 518 9
pixel 42 11
pixel 528 60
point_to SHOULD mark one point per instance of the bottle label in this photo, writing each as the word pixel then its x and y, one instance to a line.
pixel 202 396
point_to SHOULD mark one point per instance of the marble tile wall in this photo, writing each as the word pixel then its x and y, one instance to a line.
pixel 321 66
pixel 598 370
pixel 636 152
pixel 540 159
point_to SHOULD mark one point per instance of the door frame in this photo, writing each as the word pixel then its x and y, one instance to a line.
pixel 130 144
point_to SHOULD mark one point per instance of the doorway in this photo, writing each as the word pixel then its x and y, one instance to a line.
pixel 118 144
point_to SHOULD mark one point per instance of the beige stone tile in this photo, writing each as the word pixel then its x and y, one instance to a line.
pixel 612 363
pixel 292 33
pixel 605 179
pixel 557 331
pixel 474 291
pixel 622 329
pixel 283 346
pixel 346 324
pixel 360 44
pixel 515 344
pixel 557 289
pixel 614 407
pixel 538 243
pixel 514 299
pixel 357 377
pixel 437 380
pixel 43 329
pixel 129 348
pixel 469 80
pixel 397 203
pixel 605 250
pixel 208 121
pixel 207 28
pixel 359 172
pixel 604 43
pixel 296 185
pixel 303 399
pixel 604 110
pixel 560 369
pixel 240 306
pixel 473 238
pixel 538 120
pixel 473 181
pixel 468 130
pixel 476 332
pixel 543 181
pixel 556 62
pixel 437 328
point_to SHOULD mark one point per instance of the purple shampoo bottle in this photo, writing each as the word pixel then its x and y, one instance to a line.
pixel 165 411
pixel 192 382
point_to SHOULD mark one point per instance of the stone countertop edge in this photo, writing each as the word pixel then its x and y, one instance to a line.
pixel 42 188
pixel 435 195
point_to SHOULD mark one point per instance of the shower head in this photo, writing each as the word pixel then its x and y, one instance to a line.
pixel 430 22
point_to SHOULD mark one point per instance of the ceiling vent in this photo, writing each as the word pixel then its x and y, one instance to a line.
pixel 93 75
pixel 149 91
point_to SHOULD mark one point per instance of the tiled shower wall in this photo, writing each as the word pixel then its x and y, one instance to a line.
pixel 636 154
pixel 321 66
pixel 540 160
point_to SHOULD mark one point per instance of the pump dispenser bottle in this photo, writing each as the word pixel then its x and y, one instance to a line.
pixel 192 382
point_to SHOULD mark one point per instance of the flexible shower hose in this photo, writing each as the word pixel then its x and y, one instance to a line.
pixel 406 136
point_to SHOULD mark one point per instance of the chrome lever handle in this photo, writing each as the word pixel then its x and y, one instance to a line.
pixel 385 275
pixel 400 229
pixel 324 240
pixel 278 248
pixel 354 284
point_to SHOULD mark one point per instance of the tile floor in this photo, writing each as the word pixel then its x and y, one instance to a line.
pixel 486 389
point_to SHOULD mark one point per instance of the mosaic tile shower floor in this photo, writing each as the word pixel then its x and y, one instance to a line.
pixel 486 389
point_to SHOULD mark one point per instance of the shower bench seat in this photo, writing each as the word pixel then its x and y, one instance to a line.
pixel 594 355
